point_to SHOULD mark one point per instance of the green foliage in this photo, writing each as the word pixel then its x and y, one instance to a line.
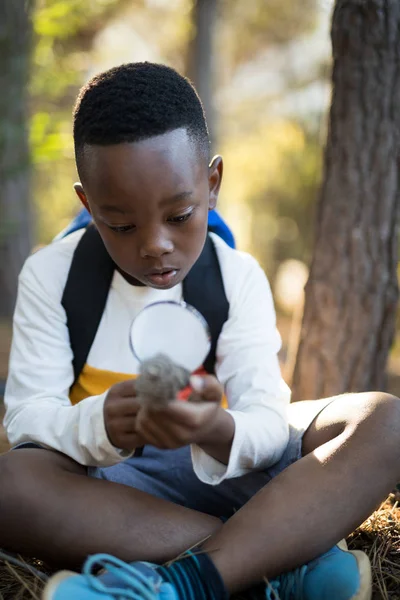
pixel 64 33
pixel 60 19
pixel 270 185
pixel 56 201
pixel 50 138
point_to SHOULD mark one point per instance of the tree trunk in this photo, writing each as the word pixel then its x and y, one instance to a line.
pixel 200 69
pixel 15 215
pixel 351 296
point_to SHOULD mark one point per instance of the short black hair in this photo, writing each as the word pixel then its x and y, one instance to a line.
pixel 136 101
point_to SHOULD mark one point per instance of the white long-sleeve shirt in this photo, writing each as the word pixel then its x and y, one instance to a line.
pixel 41 408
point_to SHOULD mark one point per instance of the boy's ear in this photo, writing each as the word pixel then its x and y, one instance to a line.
pixel 81 195
pixel 215 171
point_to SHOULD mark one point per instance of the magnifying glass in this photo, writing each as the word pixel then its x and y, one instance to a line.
pixel 173 329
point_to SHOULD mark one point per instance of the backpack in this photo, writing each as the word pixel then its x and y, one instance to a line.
pixel 88 283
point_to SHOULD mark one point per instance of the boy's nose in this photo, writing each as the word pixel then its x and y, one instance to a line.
pixel 155 246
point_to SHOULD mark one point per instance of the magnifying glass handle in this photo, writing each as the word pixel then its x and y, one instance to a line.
pixel 160 381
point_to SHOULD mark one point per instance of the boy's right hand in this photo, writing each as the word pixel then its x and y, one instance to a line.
pixel 120 409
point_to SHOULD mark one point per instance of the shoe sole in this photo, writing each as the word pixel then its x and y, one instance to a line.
pixel 364 568
pixel 54 582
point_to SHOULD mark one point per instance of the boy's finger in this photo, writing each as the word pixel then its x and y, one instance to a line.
pixel 153 433
pixel 120 406
pixel 126 388
pixel 208 387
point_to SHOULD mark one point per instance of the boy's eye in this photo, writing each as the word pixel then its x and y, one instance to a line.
pixel 180 218
pixel 121 228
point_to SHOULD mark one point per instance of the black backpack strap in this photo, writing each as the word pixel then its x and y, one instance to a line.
pixel 85 294
pixel 204 289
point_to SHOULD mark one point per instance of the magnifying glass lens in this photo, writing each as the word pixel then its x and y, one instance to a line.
pixel 174 329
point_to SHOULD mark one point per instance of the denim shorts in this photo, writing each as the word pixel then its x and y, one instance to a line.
pixel 168 474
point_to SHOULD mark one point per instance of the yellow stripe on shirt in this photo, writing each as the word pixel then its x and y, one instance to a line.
pixel 93 382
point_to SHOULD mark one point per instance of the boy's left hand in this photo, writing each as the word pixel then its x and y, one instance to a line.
pixel 182 423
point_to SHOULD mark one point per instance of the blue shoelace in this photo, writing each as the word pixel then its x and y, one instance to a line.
pixel 140 586
pixel 289 586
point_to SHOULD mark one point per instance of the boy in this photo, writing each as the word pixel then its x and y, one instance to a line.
pixel 142 148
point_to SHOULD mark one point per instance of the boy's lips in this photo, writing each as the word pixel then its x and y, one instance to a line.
pixel 161 277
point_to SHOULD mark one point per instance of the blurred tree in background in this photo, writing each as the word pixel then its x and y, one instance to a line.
pixel 15 209
pixel 352 292
pixel 201 56
pixel 242 29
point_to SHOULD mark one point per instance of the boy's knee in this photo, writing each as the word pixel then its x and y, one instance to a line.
pixel 380 418
pixel 383 407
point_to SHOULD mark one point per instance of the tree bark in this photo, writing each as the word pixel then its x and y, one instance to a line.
pixel 200 69
pixel 15 211
pixel 352 292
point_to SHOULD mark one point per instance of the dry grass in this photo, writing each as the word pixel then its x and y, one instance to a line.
pixel 18 583
pixel 378 536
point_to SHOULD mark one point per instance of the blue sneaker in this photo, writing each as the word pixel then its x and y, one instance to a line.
pixel 121 581
pixel 336 575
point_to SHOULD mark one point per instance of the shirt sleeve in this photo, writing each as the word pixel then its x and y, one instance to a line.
pixel 38 408
pixel 248 368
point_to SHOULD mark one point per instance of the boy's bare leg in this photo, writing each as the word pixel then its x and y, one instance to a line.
pixel 50 509
pixel 353 461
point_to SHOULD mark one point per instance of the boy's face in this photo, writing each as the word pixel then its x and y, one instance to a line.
pixel 150 202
